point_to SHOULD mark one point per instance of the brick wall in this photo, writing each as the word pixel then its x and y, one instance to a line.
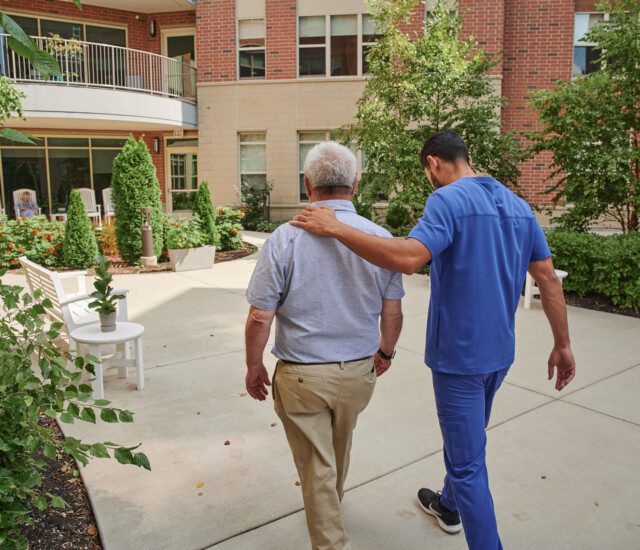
pixel 484 20
pixel 281 39
pixel 416 23
pixel 538 37
pixel 137 23
pixel 216 40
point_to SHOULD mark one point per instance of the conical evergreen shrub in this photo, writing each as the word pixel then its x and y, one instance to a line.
pixel 134 185
pixel 80 248
pixel 203 209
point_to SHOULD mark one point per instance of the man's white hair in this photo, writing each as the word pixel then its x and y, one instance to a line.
pixel 330 165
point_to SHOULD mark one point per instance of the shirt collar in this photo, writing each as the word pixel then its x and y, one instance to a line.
pixel 336 205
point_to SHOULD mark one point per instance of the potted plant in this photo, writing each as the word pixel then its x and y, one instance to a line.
pixel 186 245
pixel 104 300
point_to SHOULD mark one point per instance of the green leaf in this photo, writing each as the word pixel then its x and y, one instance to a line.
pixel 108 415
pixel 11 27
pixel 123 456
pixel 40 502
pixel 78 4
pixel 141 460
pixel 88 415
pixel 102 403
pixel 49 451
pixel 45 64
pixel 66 418
pixel 18 137
pixel 125 416
pixel 58 502
pixel 99 450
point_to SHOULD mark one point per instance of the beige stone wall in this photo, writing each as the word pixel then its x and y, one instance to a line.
pixel 281 109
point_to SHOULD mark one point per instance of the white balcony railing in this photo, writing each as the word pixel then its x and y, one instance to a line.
pixel 106 66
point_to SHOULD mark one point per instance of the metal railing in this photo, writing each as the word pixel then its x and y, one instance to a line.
pixel 105 66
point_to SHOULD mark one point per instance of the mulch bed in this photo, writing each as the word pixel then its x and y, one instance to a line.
pixel 598 303
pixel 72 528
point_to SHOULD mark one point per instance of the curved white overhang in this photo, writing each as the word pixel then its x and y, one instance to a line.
pixel 53 105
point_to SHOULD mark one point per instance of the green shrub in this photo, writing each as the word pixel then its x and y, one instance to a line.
pixel 398 215
pixel 229 226
pixel 203 209
pixel 607 266
pixel 252 205
pixel 80 248
pixel 134 186
pixel 36 238
pixel 269 227
pixel 185 233
pixel 35 380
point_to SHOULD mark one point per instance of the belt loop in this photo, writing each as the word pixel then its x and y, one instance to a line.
pixel 341 365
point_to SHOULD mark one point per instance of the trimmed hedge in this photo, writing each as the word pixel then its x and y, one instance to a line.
pixel 80 248
pixel 203 210
pixel 604 265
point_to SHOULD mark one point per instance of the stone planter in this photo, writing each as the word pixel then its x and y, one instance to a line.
pixel 108 322
pixel 186 259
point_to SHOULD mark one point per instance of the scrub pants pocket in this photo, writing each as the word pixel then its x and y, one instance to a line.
pixel 456 438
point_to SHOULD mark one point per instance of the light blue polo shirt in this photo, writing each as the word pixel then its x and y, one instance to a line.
pixel 482 238
pixel 327 299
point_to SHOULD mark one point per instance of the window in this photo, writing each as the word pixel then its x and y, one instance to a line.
pixel 251 58
pixel 253 160
pixel 585 54
pixel 344 45
pixel 312 46
pixel 183 179
pixel 369 37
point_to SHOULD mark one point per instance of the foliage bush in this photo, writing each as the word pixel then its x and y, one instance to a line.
pixel 203 210
pixel 80 248
pixel 398 215
pixel 603 265
pixel 229 226
pixel 35 380
pixel 107 243
pixel 185 233
pixel 252 206
pixel 269 227
pixel 36 238
pixel 134 185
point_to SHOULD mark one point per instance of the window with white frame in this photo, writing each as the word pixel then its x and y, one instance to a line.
pixel 251 44
pixel 253 160
pixel 585 54
pixel 335 45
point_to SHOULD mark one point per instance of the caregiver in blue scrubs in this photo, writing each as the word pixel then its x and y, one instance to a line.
pixel 480 239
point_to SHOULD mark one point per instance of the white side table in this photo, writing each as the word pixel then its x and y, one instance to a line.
pixel 92 336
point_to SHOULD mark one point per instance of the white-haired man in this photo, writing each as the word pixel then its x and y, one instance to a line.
pixel 338 319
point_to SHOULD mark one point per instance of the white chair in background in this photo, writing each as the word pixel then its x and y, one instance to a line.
pixel 17 197
pixel 107 205
pixel 531 288
pixel 70 308
pixel 93 209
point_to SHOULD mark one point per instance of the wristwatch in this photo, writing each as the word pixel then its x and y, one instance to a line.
pixel 385 356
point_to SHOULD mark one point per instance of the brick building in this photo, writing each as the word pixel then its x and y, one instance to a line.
pixel 233 91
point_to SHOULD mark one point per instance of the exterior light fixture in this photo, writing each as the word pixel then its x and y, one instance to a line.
pixel 152 27
pixel 156 145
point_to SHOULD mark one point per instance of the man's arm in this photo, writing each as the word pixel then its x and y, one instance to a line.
pixel 390 328
pixel 256 334
pixel 405 256
pixel 555 309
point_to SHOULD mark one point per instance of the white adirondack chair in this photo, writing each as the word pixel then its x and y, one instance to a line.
pixel 531 288
pixel 93 209
pixel 70 308
pixel 109 213
pixel 17 197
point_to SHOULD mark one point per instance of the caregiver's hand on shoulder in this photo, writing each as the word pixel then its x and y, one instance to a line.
pixel 320 221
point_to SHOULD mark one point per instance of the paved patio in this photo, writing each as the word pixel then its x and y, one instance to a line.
pixel 564 471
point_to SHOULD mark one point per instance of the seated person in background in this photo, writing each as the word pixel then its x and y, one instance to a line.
pixel 26 207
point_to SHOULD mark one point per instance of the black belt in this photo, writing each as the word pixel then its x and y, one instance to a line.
pixel 326 362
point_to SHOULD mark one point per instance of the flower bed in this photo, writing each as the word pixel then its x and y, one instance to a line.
pixel 36 238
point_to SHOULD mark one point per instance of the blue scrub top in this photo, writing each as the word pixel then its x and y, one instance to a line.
pixel 482 238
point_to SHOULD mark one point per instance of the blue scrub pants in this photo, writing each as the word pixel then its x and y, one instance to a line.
pixel 464 406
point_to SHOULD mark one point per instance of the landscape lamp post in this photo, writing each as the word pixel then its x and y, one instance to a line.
pixel 148 258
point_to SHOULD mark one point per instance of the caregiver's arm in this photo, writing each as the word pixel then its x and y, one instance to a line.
pixel 404 255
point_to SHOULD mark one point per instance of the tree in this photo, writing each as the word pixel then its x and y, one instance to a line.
pixel 203 210
pixel 80 248
pixel 591 126
pixel 134 185
pixel 419 86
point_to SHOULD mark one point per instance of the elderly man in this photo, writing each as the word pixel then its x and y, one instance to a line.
pixel 480 239
pixel 338 319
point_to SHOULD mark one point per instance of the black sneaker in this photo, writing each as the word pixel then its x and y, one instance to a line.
pixel 448 521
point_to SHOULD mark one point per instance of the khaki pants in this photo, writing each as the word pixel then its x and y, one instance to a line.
pixel 319 407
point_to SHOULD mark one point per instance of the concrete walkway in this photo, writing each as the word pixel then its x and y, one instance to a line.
pixel 564 471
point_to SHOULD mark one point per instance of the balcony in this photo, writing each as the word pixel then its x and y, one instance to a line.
pixel 103 87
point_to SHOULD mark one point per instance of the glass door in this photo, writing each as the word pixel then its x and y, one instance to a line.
pixel 180 46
